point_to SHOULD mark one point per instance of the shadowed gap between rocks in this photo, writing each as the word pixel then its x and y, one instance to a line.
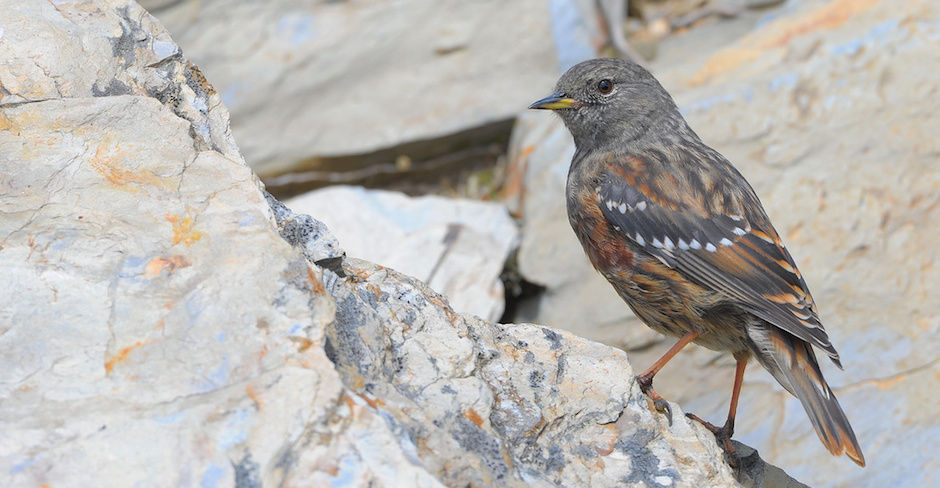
pixel 521 295
pixel 415 168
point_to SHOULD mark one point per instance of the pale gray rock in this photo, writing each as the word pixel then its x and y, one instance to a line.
pixel 458 247
pixel 828 111
pixel 326 78
pixel 129 54
pixel 155 330
pixel 310 235
pixel 159 326
pixel 506 405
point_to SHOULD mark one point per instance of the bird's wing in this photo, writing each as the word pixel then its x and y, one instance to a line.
pixel 717 236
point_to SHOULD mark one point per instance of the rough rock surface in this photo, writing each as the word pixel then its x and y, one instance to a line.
pixel 162 324
pixel 457 247
pixel 326 79
pixel 828 111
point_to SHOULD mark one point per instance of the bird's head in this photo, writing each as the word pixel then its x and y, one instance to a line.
pixel 608 101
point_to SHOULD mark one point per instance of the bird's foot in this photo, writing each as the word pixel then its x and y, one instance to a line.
pixel 723 436
pixel 660 404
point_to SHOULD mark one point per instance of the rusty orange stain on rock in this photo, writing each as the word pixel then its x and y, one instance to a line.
pixel 474 417
pixel 158 264
pixel 183 230
pixel 349 401
pixel 315 284
pixel 888 383
pixel 199 78
pixel 121 356
pixel 108 160
pixel 375 290
pixel 303 344
pixel 372 401
pixel 925 323
pixel 254 395
pixel 778 34
pixel 5 123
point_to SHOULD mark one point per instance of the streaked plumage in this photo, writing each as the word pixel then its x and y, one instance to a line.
pixel 684 240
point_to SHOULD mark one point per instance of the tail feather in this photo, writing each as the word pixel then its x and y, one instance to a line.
pixel 793 363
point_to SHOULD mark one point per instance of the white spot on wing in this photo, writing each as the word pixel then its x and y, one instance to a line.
pixel 725 241
pixel 739 231
pixel 622 208
pixel 710 247
pixel 695 244
pixel 610 205
pixel 668 243
pixel 683 245
pixel 657 244
pixel 641 205
pixel 639 240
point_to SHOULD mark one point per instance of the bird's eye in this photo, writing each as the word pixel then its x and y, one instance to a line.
pixel 605 86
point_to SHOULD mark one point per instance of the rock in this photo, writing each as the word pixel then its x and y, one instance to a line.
pixel 162 322
pixel 509 405
pixel 154 327
pixel 578 28
pixel 825 109
pixel 326 79
pixel 133 56
pixel 458 247
pixel 308 234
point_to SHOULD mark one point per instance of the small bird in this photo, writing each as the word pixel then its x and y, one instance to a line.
pixel 684 240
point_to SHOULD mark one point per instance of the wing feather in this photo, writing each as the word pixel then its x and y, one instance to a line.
pixel 738 255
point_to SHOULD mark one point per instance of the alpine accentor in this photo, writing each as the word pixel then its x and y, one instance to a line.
pixel 684 240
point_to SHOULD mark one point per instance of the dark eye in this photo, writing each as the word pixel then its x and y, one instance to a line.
pixel 605 86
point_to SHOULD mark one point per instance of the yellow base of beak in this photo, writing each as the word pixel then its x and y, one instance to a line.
pixel 556 101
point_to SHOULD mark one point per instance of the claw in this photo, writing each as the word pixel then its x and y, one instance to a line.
pixel 660 404
pixel 645 380
pixel 723 437
pixel 663 407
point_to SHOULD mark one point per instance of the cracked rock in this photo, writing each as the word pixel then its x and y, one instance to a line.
pixel 157 329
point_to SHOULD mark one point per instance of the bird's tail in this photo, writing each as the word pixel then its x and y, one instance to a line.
pixel 793 363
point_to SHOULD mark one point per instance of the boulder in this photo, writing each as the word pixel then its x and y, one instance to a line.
pixel 165 322
pixel 327 79
pixel 458 247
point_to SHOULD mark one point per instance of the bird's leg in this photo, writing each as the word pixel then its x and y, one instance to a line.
pixel 723 434
pixel 645 379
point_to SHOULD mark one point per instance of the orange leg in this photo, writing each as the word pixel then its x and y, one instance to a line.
pixel 725 432
pixel 645 379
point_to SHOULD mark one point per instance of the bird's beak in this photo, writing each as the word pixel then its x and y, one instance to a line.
pixel 555 101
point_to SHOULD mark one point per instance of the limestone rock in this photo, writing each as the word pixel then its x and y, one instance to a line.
pixel 827 110
pixel 162 322
pixel 458 247
pixel 309 235
pixel 326 78
pixel 506 405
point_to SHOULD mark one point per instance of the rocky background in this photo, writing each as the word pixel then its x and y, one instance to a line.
pixel 166 322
